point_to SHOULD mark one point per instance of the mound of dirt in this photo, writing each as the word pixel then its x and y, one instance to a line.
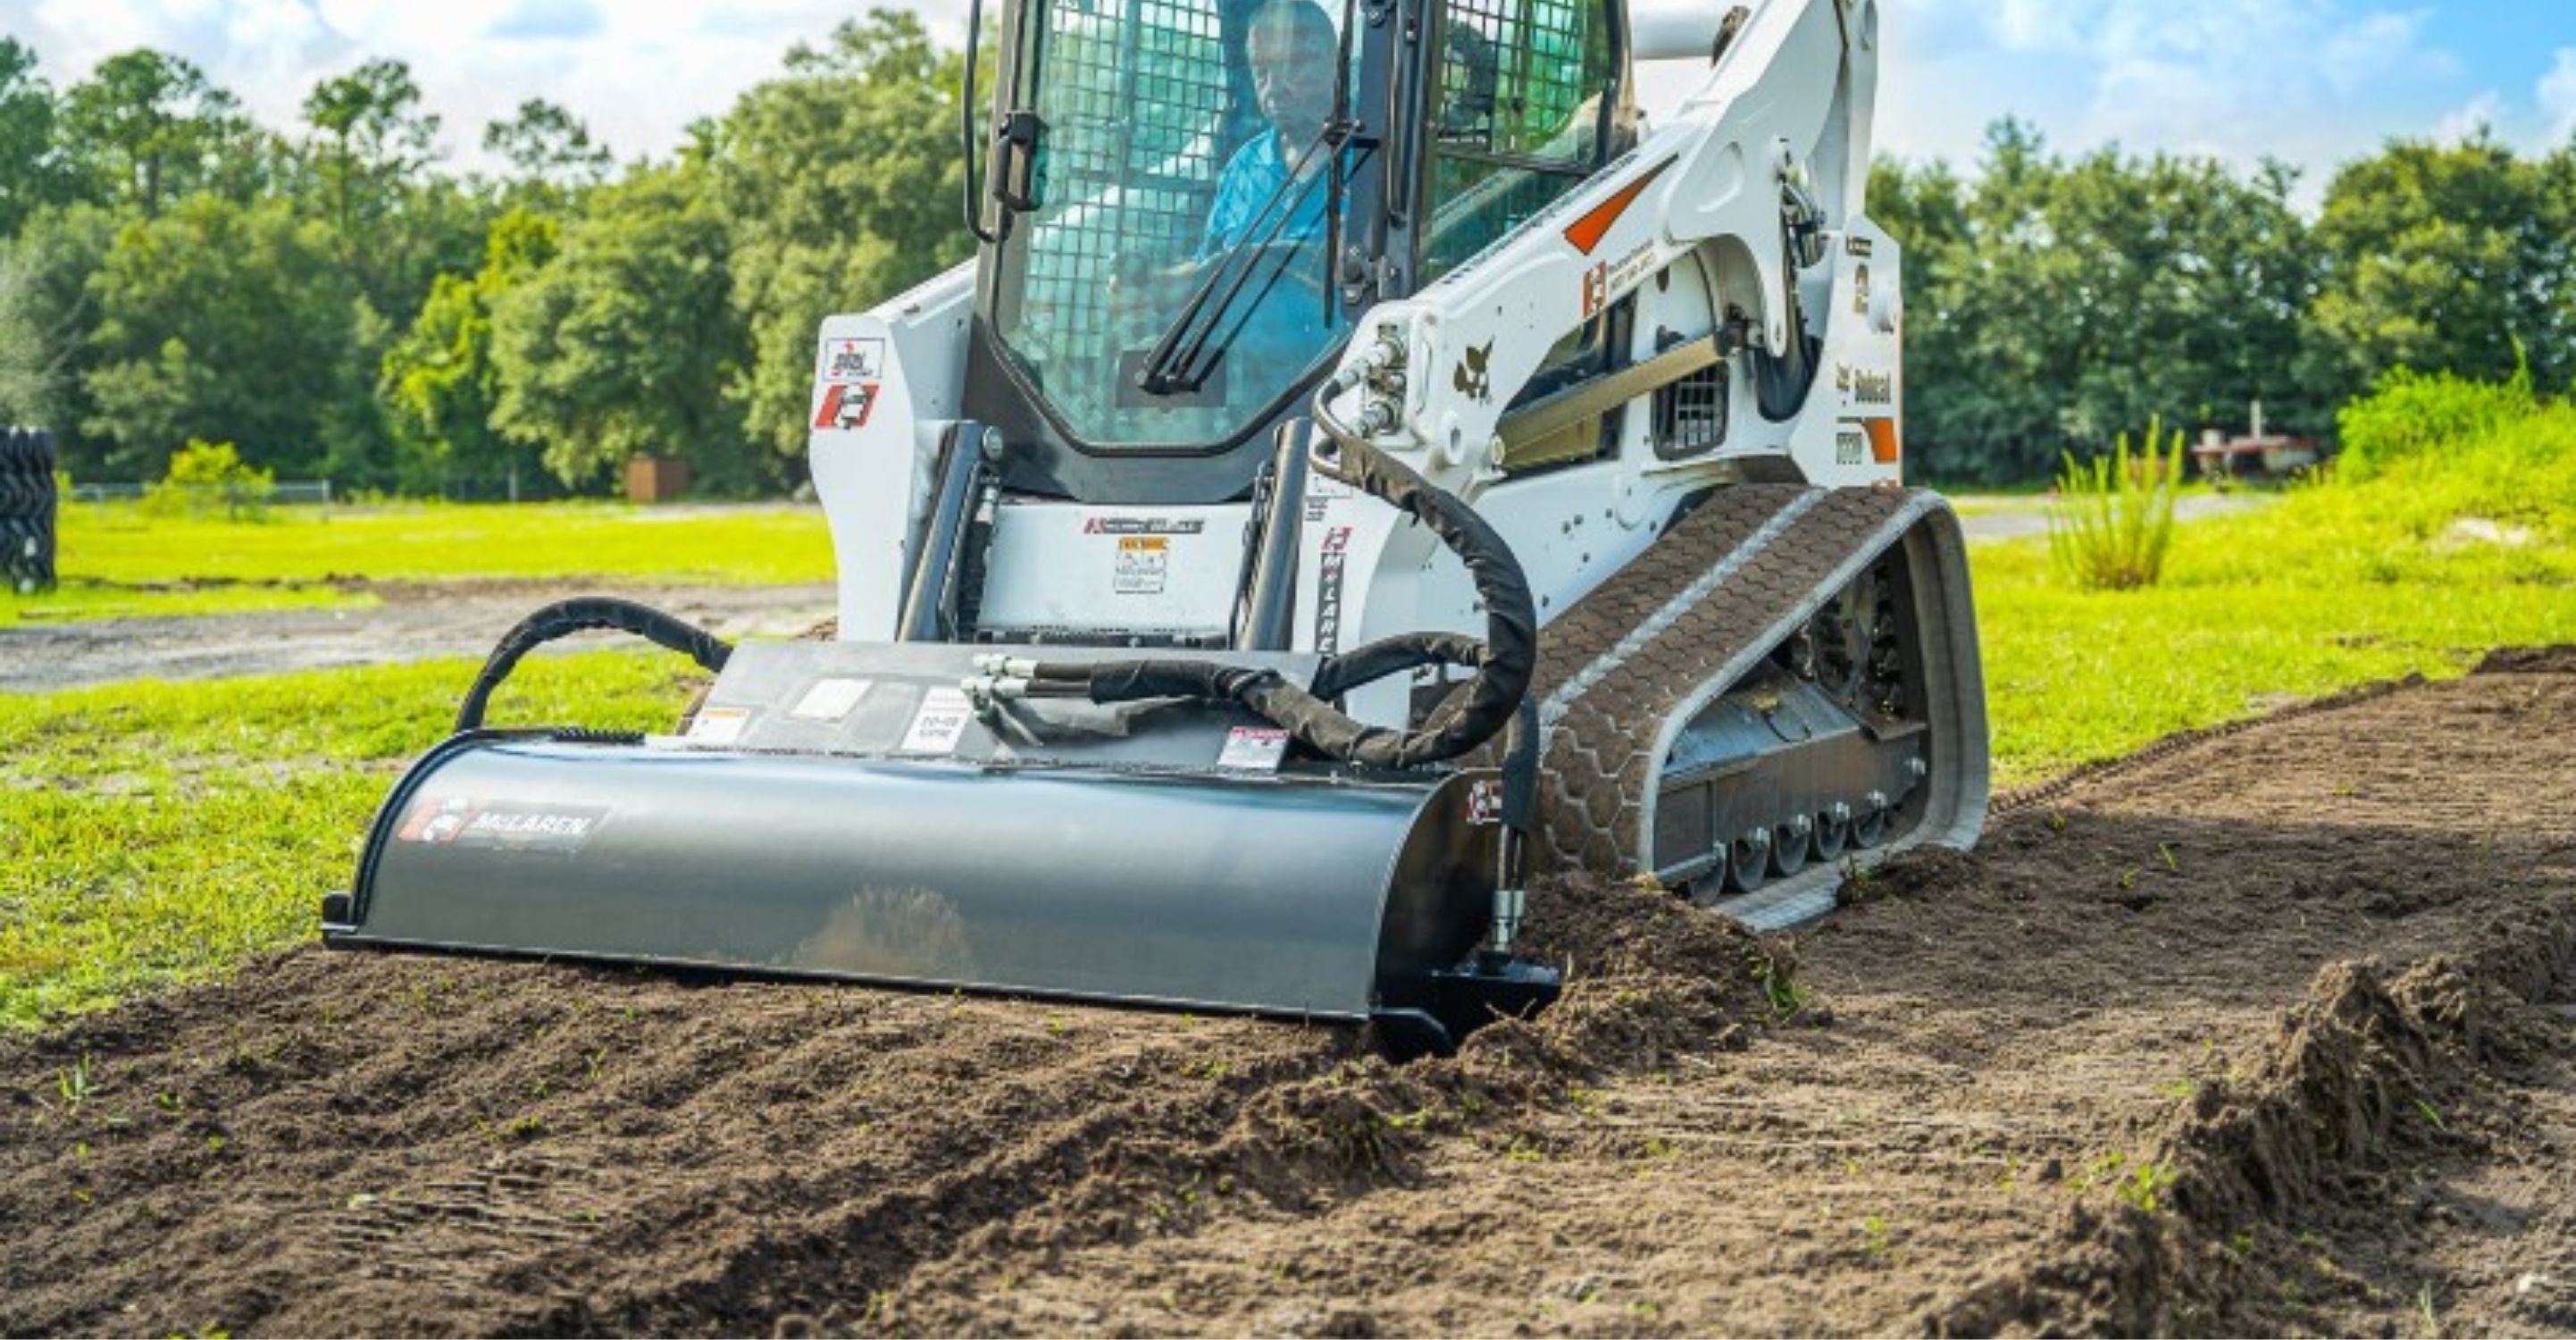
pixel 2266 1031
pixel 1647 977
pixel 2314 1131
pixel 2556 660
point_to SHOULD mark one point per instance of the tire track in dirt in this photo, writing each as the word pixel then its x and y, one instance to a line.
pixel 1936 1122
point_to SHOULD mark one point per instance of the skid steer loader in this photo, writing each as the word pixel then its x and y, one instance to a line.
pixel 1364 465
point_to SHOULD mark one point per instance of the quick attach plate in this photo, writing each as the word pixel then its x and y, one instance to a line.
pixel 904 700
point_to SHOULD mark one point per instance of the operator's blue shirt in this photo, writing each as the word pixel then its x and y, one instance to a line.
pixel 1250 177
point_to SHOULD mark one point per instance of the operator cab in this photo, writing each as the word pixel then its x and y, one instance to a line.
pixel 1187 202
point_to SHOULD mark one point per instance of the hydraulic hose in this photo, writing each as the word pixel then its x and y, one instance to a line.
pixel 580 615
pixel 1470 715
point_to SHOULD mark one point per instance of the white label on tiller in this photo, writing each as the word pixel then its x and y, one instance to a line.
pixel 719 725
pixel 940 723
pixel 830 699
pixel 1253 749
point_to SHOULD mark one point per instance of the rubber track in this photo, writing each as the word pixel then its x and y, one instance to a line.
pixel 1599 736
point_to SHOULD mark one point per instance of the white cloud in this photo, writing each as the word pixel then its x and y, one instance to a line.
pixel 2312 82
pixel 2308 80
pixel 2557 94
pixel 2484 112
pixel 638 71
pixel 2234 78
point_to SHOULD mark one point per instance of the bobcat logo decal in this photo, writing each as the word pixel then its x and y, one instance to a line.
pixel 1470 377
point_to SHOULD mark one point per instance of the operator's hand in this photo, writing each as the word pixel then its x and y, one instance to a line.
pixel 1150 295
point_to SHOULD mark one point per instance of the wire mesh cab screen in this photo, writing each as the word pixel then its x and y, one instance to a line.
pixel 1166 129
pixel 1521 116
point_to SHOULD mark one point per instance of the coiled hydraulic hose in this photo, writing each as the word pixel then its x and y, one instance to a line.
pixel 580 615
pixel 1471 714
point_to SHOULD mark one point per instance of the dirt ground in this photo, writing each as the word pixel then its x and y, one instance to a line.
pixel 415 622
pixel 2269 1030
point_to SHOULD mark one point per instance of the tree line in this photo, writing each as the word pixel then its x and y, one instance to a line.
pixel 340 304
pixel 2052 303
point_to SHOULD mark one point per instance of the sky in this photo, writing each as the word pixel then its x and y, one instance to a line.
pixel 2313 82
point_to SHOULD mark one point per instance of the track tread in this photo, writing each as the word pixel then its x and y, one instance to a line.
pixel 1598 765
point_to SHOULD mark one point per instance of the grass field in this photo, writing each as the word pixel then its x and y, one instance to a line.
pixel 118 562
pixel 2419 570
pixel 154 832
pixel 151 833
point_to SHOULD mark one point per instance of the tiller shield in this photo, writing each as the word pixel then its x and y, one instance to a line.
pixel 842 810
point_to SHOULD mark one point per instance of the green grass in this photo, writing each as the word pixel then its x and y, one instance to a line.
pixel 152 833
pixel 116 561
pixel 2330 587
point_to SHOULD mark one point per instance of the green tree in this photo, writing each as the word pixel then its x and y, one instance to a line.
pixel 441 382
pixel 840 185
pixel 24 387
pixel 228 322
pixel 47 303
pixel 147 128
pixel 32 172
pixel 371 142
pixel 2055 304
pixel 2451 257
pixel 623 346
pixel 549 147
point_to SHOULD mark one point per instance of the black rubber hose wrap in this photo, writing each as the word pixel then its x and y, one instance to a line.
pixel 1472 713
pixel 584 614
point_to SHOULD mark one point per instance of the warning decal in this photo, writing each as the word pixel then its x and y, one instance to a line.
pixel 1253 749
pixel 1144 565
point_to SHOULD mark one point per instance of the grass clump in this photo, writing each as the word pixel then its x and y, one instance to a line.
pixel 2413 413
pixel 2112 522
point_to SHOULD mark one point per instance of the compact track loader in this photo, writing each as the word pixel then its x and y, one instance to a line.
pixel 1363 465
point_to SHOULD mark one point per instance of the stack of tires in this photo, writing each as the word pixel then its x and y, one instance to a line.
pixel 27 509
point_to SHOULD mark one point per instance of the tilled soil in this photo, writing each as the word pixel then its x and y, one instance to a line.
pixel 412 621
pixel 2268 1030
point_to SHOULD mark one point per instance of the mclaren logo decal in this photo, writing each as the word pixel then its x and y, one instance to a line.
pixel 1586 232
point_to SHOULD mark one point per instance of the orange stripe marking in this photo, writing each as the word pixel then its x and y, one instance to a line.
pixel 1586 232
pixel 1882 439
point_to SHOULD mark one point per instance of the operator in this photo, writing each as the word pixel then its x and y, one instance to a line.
pixel 1292 49
pixel 1271 325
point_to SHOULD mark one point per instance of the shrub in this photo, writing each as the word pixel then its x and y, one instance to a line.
pixel 2111 521
pixel 205 475
pixel 2410 413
